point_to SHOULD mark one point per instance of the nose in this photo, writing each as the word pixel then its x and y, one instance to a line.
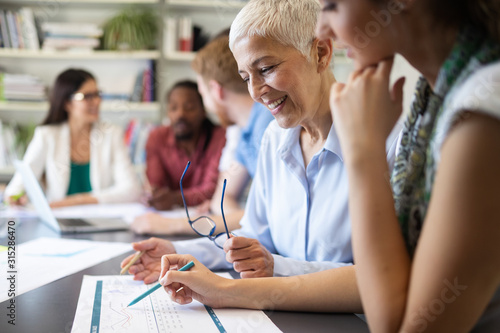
pixel 256 88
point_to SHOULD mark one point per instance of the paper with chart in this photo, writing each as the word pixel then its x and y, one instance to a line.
pixel 44 260
pixel 102 307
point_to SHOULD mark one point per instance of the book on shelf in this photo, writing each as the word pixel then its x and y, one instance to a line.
pixel 71 36
pixel 21 87
pixel 145 88
pixel 12 26
pixel 71 29
pixel 18 29
pixel 180 35
pixel 4 29
pixel 136 136
pixel 29 29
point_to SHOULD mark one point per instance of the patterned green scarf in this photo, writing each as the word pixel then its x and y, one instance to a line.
pixel 414 168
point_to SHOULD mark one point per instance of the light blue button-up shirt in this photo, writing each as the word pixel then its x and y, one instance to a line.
pixel 299 214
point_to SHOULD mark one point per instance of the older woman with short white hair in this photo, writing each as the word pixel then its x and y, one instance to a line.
pixel 296 219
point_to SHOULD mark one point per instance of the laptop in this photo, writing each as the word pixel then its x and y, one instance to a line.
pixel 66 225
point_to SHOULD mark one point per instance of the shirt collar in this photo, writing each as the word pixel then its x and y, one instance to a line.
pixel 292 136
pixel 333 144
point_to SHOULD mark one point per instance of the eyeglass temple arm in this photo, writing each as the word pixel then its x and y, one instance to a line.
pixel 182 191
pixel 222 208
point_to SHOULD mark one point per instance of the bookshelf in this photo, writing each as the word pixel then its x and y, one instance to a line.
pixel 94 55
pixel 116 70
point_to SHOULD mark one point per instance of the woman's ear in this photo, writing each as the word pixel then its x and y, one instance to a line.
pixel 67 106
pixel 324 48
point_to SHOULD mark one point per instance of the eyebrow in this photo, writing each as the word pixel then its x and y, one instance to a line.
pixel 255 62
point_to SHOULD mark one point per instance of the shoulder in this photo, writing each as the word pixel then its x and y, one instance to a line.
pixel 50 129
pixel 219 132
pixel 480 93
pixel 160 131
pixel 107 128
pixel 50 132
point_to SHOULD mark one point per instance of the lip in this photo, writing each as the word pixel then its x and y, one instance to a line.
pixel 350 53
pixel 279 107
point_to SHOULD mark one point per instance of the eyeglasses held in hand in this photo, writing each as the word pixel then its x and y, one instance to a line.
pixel 86 97
pixel 204 225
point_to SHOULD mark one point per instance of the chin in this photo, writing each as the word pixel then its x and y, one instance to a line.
pixel 284 122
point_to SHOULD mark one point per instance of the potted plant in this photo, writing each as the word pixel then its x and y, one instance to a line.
pixel 135 28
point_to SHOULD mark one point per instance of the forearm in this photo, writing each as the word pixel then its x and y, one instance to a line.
pixel 230 204
pixel 383 264
pixel 73 200
pixel 333 290
pixel 232 220
pixel 284 266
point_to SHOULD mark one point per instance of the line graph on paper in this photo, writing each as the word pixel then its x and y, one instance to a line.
pixel 156 313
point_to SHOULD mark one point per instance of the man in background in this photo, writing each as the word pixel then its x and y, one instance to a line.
pixel 191 136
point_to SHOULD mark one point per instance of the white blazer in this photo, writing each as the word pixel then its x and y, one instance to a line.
pixel 112 175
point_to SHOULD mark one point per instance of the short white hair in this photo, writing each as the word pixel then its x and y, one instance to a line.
pixel 288 22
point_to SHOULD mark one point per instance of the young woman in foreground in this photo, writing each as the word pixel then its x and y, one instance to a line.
pixel 426 243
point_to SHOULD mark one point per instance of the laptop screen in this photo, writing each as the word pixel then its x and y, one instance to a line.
pixel 36 195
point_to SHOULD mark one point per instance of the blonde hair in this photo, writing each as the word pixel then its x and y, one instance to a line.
pixel 288 22
pixel 216 62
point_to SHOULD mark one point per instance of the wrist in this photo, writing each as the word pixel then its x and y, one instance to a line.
pixel 362 158
pixel 233 291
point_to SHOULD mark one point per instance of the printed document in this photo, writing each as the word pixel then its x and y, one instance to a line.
pixel 102 307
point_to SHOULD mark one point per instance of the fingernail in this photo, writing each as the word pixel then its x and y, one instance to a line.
pixel 169 292
pixel 178 300
pixel 163 280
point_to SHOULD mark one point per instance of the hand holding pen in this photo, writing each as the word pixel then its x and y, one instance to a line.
pixel 158 285
pixel 198 283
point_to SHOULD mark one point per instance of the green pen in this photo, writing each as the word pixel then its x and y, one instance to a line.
pixel 158 285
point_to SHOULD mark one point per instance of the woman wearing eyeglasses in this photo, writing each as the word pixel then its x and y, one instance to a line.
pixel 83 160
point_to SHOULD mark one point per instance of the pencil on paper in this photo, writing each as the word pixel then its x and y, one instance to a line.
pixel 131 262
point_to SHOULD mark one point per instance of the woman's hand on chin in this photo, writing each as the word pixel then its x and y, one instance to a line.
pixel 365 109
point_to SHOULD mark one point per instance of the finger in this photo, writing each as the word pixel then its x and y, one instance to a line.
pixel 384 68
pixel 250 265
pixel 146 245
pixel 151 277
pixel 171 260
pixel 140 276
pixel 136 268
pixel 126 260
pixel 337 88
pixel 353 76
pixel 235 242
pixel 249 275
pixel 397 90
pixel 165 266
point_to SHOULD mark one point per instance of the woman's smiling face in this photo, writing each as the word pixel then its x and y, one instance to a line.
pixel 279 77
